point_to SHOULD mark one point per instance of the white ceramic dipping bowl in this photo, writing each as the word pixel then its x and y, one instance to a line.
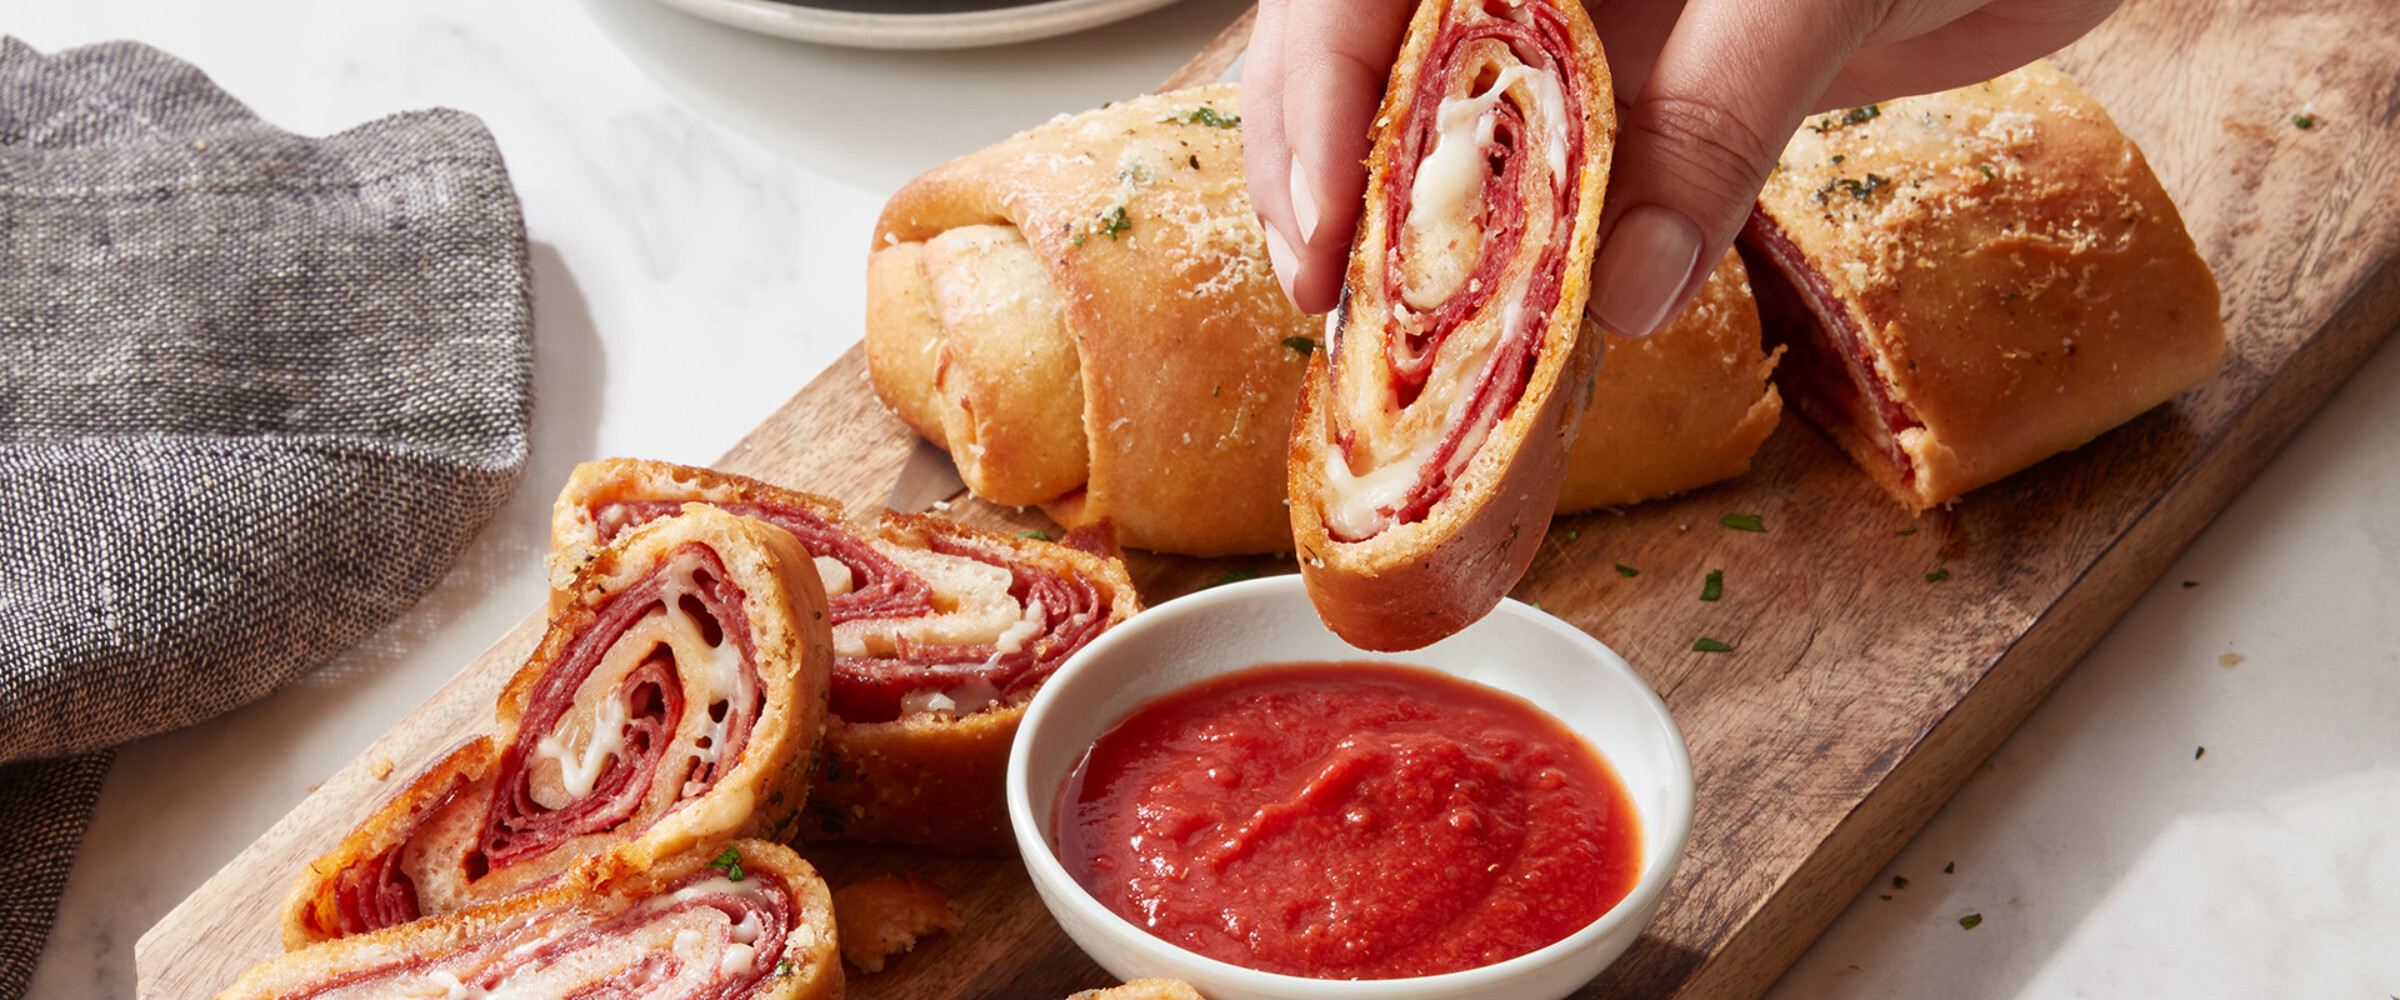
pixel 1516 649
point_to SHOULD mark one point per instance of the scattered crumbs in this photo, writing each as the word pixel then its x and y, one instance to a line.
pixel 1036 534
pixel 1899 882
pixel 1708 645
pixel 312 789
pixel 2189 584
pixel 1938 575
pixel 1905 531
pixel 2229 660
pixel 1743 522
pixel 2197 754
pixel 1627 571
pixel 1714 586
pixel 1305 345
pixel 942 505
pixel 1970 920
pixel 1683 527
pixel 1950 869
pixel 381 769
pixel 2304 121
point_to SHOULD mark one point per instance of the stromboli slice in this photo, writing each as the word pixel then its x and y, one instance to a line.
pixel 1975 280
pixel 1431 438
pixel 673 702
pixel 752 924
pixel 933 672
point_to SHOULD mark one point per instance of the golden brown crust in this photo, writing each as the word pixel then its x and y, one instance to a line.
pixel 935 778
pixel 1137 216
pixel 575 529
pixel 473 943
pixel 2017 274
pixel 437 822
pixel 1414 583
pixel 1679 409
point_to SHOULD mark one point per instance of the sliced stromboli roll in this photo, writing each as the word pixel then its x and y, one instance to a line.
pixel 1431 438
pixel 942 634
pixel 674 701
pixel 1084 316
pixel 1975 280
pixel 925 707
pixel 745 921
pixel 1679 409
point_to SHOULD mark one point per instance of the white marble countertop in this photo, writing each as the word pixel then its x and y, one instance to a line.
pixel 699 202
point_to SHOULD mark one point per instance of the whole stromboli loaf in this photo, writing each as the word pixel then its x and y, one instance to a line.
pixel 1975 280
pixel 1085 317
pixel 942 634
pixel 1431 442
pixel 675 700
pixel 747 920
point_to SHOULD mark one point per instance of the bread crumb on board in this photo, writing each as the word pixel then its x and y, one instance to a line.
pixel 880 917
pixel 1143 989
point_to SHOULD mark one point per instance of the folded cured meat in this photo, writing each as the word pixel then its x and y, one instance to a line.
pixel 1679 409
pixel 1084 316
pixel 943 633
pixel 1431 438
pixel 746 921
pixel 674 701
pixel 1975 280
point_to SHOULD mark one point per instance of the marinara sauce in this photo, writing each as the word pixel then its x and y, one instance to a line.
pixel 1349 821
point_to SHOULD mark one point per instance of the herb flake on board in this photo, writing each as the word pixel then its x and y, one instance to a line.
pixel 1235 575
pixel 1627 571
pixel 1970 920
pixel 1938 575
pixel 1714 586
pixel 1743 522
pixel 1708 645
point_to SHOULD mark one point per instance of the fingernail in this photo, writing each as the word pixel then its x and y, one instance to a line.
pixel 1304 203
pixel 1279 254
pixel 1642 270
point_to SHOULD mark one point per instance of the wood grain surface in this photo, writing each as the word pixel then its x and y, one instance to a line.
pixel 1859 694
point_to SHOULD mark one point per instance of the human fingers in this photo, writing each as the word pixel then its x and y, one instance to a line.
pixel 1729 85
pixel 1321 64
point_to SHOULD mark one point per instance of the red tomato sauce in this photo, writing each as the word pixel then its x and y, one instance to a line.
pixel 1349 821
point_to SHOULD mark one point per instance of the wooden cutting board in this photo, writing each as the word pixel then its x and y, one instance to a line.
pixel 1859 693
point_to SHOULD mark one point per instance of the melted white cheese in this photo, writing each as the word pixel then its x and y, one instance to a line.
pixel 1449 176
pixel 577 771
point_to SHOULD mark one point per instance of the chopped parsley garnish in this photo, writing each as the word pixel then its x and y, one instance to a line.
pixel 1905 531
pixel 1305 345
pixel 2196 754
pixel 1899 882
pixel 1235 575
pixel 1114 221
pixel 1857 189
pixel 1743 522
pixel 1950 869
pixel 1937 576
pixel 1037 535
pixel 2304 121
pixel 1839 119
pixel 1970 920
pixel 1708 645
pixel 1573 535
pixel 730 862
pixel 1627 571
pixel 1205 115
pixel 2189 584
pixel 1714 586
pixel 783 969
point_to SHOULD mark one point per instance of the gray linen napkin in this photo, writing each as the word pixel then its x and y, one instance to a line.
pixel 256 392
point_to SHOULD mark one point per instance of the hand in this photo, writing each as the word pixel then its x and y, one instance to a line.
pixel 1707 93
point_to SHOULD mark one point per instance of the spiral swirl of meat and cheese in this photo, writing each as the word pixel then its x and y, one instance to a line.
pixel 1430 441
pixel 674 701
pixel 933 670
pixel 745 921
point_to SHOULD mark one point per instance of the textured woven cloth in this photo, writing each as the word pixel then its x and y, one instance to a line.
pixel 257 391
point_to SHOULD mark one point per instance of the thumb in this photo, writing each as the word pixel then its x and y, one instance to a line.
pixel 1731 83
